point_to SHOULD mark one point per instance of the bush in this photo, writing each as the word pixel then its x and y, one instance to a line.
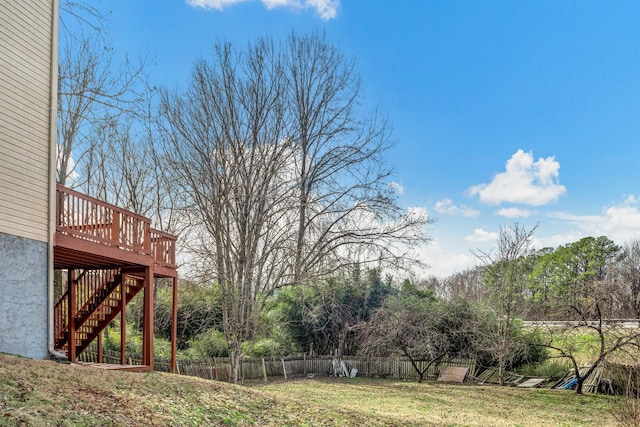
pixel 268 347
pixel 112 339
pixel 208 344
pixel 547 369
pixel 528 350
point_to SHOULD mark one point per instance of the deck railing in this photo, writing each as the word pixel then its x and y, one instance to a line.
pixel 163 248
pixel 88 218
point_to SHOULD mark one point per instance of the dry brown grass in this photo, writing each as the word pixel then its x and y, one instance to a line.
pixel 44 393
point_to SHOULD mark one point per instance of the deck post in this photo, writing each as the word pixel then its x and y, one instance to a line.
pixel 174 324
pixel 71 279
pixel 146 244
pixel 147 327
pixel 115 227
pixel 123 320
pixel 100 347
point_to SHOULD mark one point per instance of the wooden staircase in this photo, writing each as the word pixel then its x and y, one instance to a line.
pixel 98 294
pixel 107 255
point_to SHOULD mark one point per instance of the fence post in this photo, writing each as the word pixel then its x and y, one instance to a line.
pixel 264 371
pixel 284 369
pixel 304 364
pixel 367 367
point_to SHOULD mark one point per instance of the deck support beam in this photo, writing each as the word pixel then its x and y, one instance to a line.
pixel 100 348
pixel 71 342
pixel 174 324
pixel 123 320
pixel 147 326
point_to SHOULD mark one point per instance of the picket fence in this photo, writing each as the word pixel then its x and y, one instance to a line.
pixel 270 368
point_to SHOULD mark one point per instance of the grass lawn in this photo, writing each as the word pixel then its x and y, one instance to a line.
pixel 44 393
pixel 395 403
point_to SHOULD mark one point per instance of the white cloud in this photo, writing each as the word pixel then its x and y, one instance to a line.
pixel 326 9
pixel 397 187
pixel 514 213
pixel 620 223
pixel 451 252
pixel 442 262
pixel 631 200
pixel 556 240
pixel 272 4
pixel 481 235
pixel 213 4
pixel 524 181
pixel 447 207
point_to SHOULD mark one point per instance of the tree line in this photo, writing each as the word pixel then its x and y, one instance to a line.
pixel 274 177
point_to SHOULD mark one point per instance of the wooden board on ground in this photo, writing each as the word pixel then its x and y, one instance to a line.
pixel 452 375
pixel 532 382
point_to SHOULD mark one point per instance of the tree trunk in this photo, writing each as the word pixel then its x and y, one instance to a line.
pixel 235 355
pixel 502 358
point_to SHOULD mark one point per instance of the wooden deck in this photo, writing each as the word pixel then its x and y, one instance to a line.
pixel 114 367
pixel 107 255
pixel 93 234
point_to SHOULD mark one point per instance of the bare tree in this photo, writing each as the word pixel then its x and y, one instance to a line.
pixel 343 189
pixel 106 122
pixel 126 167
pixel 587 305
pixel 506 275
pixel 92 93
pixel 568 342
pixel 406 328
pixel 284 180
pixel 628 269
pixel 227 150
pixel 466 284
pixel 425 330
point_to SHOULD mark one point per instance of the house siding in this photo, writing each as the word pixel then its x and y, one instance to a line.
pixel 28 43
pixel 25 101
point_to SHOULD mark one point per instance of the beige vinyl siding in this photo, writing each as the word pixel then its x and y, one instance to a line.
pixel 25 85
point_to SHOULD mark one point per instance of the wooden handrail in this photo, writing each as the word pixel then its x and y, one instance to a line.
pixel 88 218
pixel 66 190
pixel 163 248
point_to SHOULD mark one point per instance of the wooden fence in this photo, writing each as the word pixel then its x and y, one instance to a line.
pixel 269 368
pixel 619 379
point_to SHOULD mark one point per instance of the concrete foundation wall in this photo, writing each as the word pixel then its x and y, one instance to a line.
pixel 23 297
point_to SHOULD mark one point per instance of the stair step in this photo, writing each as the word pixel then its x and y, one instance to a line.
pixel 101 308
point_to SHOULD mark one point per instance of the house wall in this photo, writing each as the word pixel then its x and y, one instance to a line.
pixel 23 296
pixel 28 49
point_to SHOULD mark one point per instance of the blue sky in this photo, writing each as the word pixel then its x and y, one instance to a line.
pixel 502 111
